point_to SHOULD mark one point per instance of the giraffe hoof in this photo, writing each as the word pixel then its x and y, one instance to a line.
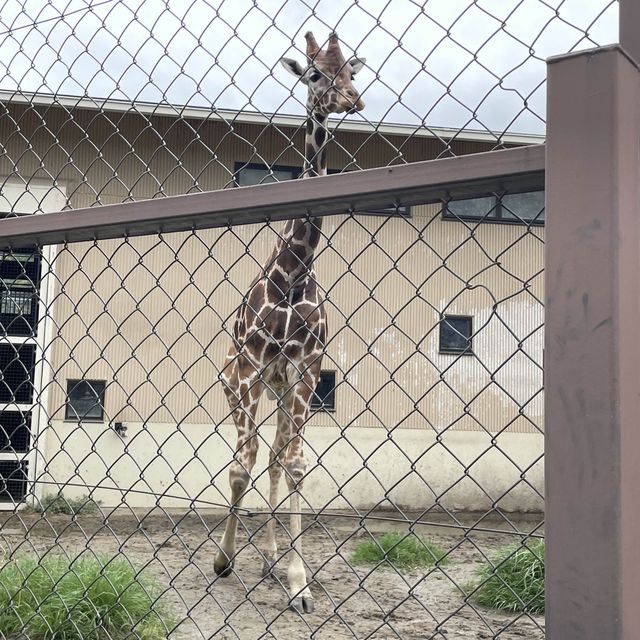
pixel 224 569
pixel 302 604
pixel 271 571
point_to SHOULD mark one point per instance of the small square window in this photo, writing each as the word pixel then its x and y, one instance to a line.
pixel 455 334
pixel 85 400
pixel 324 397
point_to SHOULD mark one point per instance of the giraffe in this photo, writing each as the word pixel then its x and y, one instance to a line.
pixel 280 332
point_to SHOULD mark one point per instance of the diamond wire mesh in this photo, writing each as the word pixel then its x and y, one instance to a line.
pixel 112 350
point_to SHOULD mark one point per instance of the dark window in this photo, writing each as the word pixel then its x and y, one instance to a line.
pixel 513 208
pixel 13 480
pixel 19 285
pixel 15 431
pixel 16 372
pixel 85 400
pixel 253 173
pixel 324 396
pixel 455 334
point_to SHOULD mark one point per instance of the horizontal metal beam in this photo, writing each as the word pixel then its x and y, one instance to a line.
pixel 416 183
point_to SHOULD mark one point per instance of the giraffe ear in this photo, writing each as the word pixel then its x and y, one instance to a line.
pixel 292 66
pixel 357 64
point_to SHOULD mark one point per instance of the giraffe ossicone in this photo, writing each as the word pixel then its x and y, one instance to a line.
pixel 280 332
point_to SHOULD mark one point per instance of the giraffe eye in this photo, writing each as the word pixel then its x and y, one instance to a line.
pixel 314 77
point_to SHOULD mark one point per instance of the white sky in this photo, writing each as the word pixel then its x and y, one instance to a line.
pixel 452 63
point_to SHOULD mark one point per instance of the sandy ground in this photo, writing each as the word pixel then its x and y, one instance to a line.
pixel 350 602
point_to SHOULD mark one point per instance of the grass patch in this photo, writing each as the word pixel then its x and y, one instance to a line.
pixel 54 503
pixel 516 583
pixel 399 550
pixel 85 599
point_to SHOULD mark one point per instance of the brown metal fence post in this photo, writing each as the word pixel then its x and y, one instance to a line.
pixel 592 351
pixel 630 27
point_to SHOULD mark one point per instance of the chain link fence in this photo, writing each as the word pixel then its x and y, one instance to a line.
pixel 414 380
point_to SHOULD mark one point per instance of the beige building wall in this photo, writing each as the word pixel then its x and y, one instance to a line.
pixel 152 316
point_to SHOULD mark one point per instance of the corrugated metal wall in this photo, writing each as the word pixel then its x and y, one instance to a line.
pixel 151 315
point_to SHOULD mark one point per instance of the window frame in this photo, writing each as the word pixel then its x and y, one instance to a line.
pixel 495 215
pixel 452 351
pixel 401 211
pixel 322 406
pixel 71 415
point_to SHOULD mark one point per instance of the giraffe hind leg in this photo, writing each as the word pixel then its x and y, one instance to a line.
pixel 297 404
pixel 276 456
pixel 243 394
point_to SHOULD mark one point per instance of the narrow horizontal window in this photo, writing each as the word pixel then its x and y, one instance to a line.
pixel 253 173
pixel 510 208
pixel 250 173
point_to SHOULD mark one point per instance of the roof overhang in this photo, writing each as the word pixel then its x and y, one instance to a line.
pixel 258 118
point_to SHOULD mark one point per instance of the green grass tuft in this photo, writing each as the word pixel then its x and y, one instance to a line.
pixel 517 581
pixel 56 503
pixel 85 599
pixel 400 550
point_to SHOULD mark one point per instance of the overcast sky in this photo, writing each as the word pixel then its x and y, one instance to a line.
pixel 449 63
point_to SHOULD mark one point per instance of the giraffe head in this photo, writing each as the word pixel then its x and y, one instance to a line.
pixel 328 76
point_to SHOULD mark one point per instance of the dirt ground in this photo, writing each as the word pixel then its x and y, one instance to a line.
pixel 349 602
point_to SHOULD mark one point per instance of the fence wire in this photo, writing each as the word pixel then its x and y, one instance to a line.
pixel 426 396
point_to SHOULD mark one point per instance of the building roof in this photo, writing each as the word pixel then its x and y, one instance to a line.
pixel 256 117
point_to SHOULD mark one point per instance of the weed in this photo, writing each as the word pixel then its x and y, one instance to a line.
pixel 55 503
pixel 88 598
pixel 514 581
pixel 400 550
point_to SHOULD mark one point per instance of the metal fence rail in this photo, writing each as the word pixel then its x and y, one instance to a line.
pixel 414 383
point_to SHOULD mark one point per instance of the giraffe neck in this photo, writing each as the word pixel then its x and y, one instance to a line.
pixel 315 145
pixel 292 259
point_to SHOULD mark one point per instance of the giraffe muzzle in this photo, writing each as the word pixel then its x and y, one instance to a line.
pixel 353 107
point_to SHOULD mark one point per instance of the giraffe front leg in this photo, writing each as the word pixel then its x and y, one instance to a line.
pixel 280 443
pixel 239 481
pixel 299 592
